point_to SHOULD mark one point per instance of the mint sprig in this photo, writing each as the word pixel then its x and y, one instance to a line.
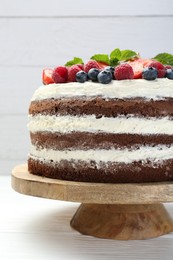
pixel 164 58
pixel 75 60
pixel 101 58
pixel 115 56
pixel 128 55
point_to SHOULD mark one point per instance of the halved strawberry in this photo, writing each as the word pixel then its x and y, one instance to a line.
pixel 47 76
pixel 137 68
pixel 102 65
pixel 138 65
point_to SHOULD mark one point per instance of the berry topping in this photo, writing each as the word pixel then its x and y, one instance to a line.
pixel 72 71
pixel 168 67
pixel 93 73
pixel 60 74
pixel 81 76
pixel 169 73
pixel 138 66
pixel 111 69
pixel 47 76
pixel 137 69
pixel 91 64
pixel 117 65
pixel 81 66
pixel 123 71
pixel 104 77
pixel 149 73
pixel 160 67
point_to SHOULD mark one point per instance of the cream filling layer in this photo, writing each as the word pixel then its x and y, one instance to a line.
pixel 144 153
pixel 155 89
pixel 120 124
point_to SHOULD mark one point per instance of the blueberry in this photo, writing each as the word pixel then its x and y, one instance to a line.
pixel 169 73
pixel 92 74
pixel 104 77
pixel 81 76
pixel 111 69
pixel 150 73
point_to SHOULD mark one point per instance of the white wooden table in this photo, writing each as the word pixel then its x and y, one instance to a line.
pixel 36 229
pixel 36 34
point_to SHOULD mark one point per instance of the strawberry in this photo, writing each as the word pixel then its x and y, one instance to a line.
pixel 72 71
pixel 91 64
pixel 123 71
pixel 102 65
pixel 137 69
pixel 60 74
pixel 138 66
pixel 47 76
pixel 159 66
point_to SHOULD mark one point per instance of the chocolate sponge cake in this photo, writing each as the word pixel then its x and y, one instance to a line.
pixel 115 133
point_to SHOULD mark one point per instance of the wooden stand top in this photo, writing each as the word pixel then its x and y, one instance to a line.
pixel 100 193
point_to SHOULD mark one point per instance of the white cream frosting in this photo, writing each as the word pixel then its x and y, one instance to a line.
pixel 120 124
pixel 144 153
pixel 156 89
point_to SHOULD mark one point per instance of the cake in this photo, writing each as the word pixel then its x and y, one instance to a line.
pixel 117 132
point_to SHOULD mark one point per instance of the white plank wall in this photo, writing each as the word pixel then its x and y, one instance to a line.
pixel 36 34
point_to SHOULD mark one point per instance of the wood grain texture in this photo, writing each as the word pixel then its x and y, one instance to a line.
pixel 26 183
pixel 39 229
pixel 102 218
pixel 122 222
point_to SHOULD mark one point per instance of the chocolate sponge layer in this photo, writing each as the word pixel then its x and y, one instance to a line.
pixel 102 107
pixel 84 140
pixel 136 172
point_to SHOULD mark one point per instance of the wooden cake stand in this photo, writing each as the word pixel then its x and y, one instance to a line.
pixel 114 211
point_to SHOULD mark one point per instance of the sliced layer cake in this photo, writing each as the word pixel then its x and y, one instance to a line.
pixel 118 132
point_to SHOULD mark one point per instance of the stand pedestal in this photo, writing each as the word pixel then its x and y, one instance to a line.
pixel 113 211
pixel 122 222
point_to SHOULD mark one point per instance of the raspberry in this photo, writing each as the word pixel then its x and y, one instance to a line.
pixel 72 72
pixel 47 76
pixel 160 67
pixel 59 74
pixel 168 67
pixel 62 71
pixel 123 71
pixel 81 66
pixel 90 65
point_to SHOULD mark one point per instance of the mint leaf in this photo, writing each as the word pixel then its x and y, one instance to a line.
pixel 128 54
pixel 115 54
pixel 101 58
pixel 114 62
pixel 164 58
pixel 75 60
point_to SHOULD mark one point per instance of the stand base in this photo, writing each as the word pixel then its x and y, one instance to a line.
pixel 122 222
